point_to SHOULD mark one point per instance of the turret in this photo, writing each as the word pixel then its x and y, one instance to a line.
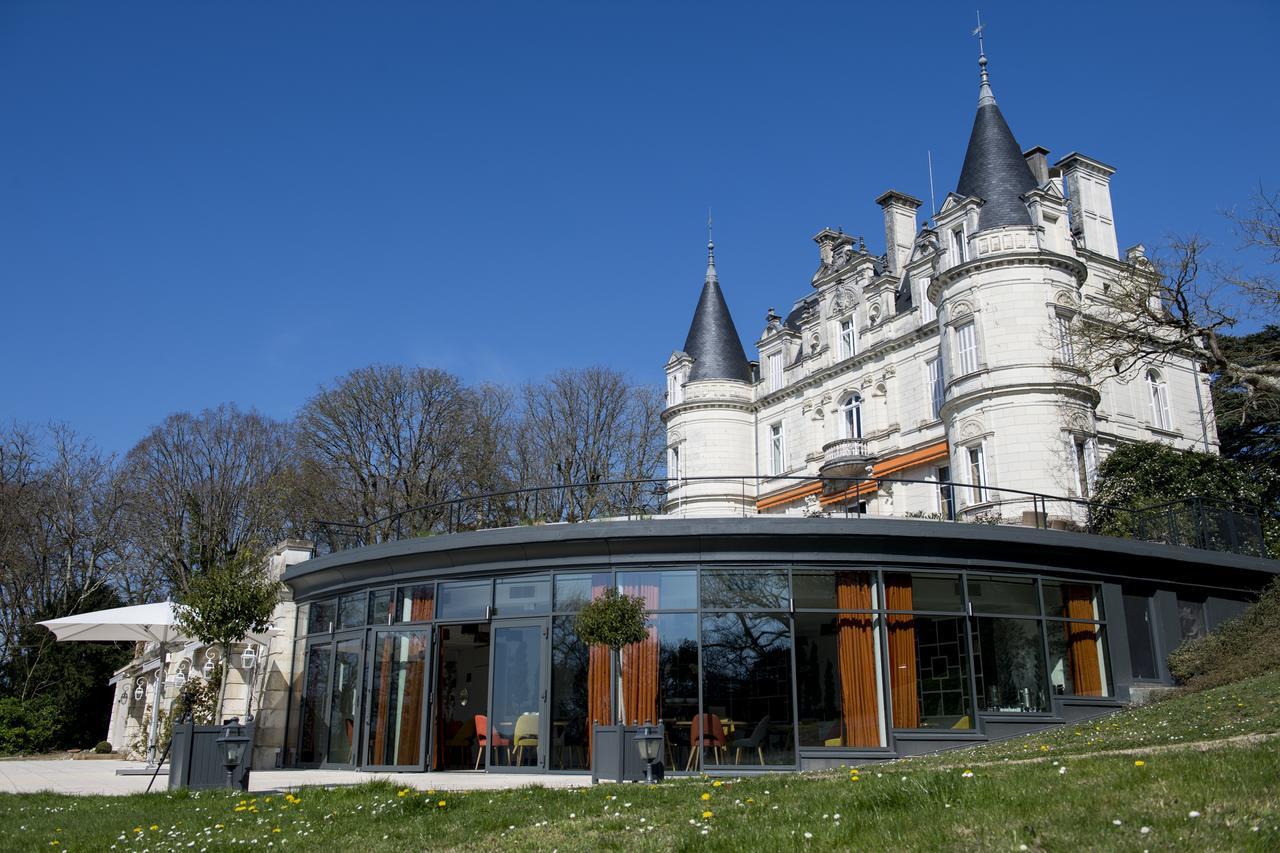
pixel 1015 408
pixel 708 416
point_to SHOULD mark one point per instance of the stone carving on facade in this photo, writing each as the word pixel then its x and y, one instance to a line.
pixel 874 312
pixel 842 300
pixel 961 308
pixel 970 429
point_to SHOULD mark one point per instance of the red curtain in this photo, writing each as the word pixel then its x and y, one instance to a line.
pixel 856 646
pixel 640 667
pixel 902 653
pixel 1082 641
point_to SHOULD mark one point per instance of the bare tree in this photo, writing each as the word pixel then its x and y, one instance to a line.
pixel 1179 304
pixel 588 426
pixel 387 439
pixel 204 486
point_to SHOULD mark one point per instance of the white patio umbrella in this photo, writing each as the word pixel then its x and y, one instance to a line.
pixel 154 623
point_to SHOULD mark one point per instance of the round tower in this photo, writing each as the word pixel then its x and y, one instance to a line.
pixel 1017 411
pixel 710 425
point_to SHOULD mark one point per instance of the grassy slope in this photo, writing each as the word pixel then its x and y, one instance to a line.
pixel 918 804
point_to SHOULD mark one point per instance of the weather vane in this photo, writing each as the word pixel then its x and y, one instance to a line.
pixel 978 32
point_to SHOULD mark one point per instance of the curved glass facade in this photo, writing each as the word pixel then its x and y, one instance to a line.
pixel 747 666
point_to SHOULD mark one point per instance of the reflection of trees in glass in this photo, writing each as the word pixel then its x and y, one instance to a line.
pixel 767 590
pixel 1012 648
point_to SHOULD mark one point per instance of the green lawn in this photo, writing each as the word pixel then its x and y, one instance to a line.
pixel 1076 796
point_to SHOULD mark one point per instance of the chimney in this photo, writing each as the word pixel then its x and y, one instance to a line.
pixel 1088 186
pixel 1038 159
pixel 899 227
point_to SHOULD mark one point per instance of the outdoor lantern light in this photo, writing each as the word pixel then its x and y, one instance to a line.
pixel 250 657
pixel 232 745
pixel 649 740
pixel 210 660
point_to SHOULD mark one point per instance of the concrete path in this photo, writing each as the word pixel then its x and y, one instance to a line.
pixel 99 777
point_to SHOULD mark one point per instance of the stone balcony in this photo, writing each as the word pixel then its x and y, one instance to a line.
pixel 845 458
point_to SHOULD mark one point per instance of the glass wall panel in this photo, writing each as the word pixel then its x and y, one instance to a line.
pixel 344 694
pixel 677 682
pixel 745 589
pixel 1008 665
pixel 676 590
pixel 303 623
pixel 816 588
pixel 1191 618
pixel 522 596
pixel 517 683
pixel 1142 641
pixel 313 726
pixel 352 610
pixel 747 714
pixel 1003 595
pixel 396 692
pixel 838 679
pixel 918 591
pixel 464 599
pixel 928 671
pixel 1072 600
pixel 462 691
pixel 322 616
pixel 573 591
pixel 415 603
pixel 1077 659
pixel 381 606
pixel 579 695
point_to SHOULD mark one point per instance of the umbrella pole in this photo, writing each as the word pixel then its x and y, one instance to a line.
pixel 155 711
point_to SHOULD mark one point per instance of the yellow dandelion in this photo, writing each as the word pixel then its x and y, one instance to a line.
pixel 137 829
pixel 705 796
pixel 1139 763
pixel 277 829
pixel 708 814
pixel 716 784
pixel 440 804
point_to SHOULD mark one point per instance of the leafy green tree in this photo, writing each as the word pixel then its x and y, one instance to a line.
pixel 70 678
pixel 613 620
pixel 1144 474
pixel 1248 420
pixel 226 602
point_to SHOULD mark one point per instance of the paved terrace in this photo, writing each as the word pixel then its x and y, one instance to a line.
pixel 99 777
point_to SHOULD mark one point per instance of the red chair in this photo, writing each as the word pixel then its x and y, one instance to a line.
pixel 706 731
pixel 482 738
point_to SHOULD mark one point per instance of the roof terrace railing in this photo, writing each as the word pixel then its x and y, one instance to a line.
pixel 1193 522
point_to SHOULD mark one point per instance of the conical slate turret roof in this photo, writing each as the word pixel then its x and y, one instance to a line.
pixel 994 168
pixel 713 341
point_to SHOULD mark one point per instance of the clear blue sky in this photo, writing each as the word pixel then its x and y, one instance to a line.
pixel 239 201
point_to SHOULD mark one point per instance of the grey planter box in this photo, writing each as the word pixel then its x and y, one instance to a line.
pixel 195 760
pixel 615 755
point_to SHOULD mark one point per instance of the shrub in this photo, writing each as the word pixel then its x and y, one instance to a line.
pixel 28 726
pixel 103 747
pixel 1240 648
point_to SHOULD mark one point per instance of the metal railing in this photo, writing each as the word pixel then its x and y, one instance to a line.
pixel 1194 522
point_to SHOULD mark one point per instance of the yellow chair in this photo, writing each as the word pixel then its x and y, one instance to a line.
pixel 526 735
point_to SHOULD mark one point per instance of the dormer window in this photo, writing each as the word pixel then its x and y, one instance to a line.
pixel 675 388
pixel 958 246
pixel 774 368
pixel 848 337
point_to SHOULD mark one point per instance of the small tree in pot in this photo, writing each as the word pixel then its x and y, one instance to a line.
pixel 614 620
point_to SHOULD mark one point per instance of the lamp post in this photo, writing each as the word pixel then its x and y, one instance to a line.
pixel 232 746
pixel 649 740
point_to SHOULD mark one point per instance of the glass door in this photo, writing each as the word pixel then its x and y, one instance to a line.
pixel 396 729
pixel 313 724
pixel 344 701
pixel 518 728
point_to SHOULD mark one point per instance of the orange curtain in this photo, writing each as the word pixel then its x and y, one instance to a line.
pixel 411 711
pixel 902 653
pixel 1082 641
pixel 856 645
pixel 422 608
pixel 640 667
pixel 598 684
pixel 384 696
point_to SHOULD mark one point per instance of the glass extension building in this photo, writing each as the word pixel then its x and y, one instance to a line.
pixel 773 643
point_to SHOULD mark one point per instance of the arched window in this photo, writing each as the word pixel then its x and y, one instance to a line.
pixel 1159 393
pixel 851 417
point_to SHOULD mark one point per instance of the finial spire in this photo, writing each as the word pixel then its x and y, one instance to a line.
pixel 711 252
pixel 985 95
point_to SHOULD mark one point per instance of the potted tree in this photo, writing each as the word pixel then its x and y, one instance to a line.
pixel 613 620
